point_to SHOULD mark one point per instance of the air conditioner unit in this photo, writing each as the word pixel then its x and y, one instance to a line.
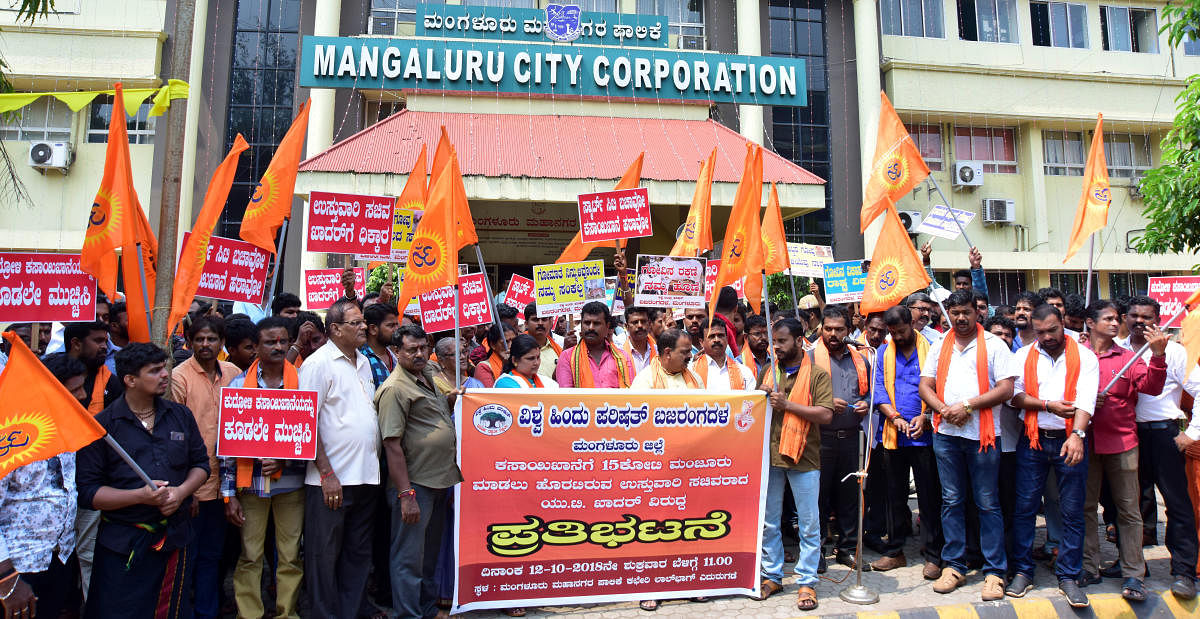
pixel 1135 189
pixel 968 174
pixel 999 211
pixel 51 156
pixel 911 219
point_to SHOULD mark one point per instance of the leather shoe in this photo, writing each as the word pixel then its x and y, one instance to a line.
pixel 1075 596
pixel 1184 588
pixel 884 564
pixel 1020 585
pixel 847 559
pixel 1086 579
pixel 931 571
pixel 768 588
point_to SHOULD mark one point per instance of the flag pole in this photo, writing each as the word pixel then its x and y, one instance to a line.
pixel 487 288
pixel 952 215
pixel 145 298
pixel 112 442
pixel 792 283
pixel 458 342
pixel 269 295
pixel 1087 283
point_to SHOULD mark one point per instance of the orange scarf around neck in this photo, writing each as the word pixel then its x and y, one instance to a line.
pixel 987 432
pixel 735 372
pixel 97 403
pixel 821 354
pixel 1031 387
pixel 660 376
pixel 291 380
pixel 581 366
pixel 794 434
pixel 651 346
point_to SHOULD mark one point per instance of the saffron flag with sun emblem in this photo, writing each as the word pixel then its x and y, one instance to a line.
pixel 775 251
pixel 895 268
pixel 40 418
pixel 897 167
pixel 433 257
pixel 272 200
pixel 1092 213
pixel 577 250
pixel 696 235
pixel 115 203
pixel 742 249
pixel 195 250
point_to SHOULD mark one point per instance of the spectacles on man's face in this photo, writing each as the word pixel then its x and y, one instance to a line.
pixel 353 323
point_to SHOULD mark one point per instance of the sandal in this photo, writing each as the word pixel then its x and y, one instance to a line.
pixel 806 599
pixel 648 605
pixel 1132 590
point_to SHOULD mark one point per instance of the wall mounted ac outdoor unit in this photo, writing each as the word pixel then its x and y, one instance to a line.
pixel 999 211
pixel 51 156
pixel 911 219
pixel 968 174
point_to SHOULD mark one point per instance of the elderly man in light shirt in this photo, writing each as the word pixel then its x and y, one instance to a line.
pixel 716 369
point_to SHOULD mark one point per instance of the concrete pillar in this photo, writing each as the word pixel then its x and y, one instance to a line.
pixel 1032 158
pixel 191 119
pixel 866 65
pixel 749 43
pixel 326 23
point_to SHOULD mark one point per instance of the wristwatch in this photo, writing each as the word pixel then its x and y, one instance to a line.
pixel 1080 433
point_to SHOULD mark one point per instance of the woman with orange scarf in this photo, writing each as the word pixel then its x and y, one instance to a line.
pixel 488 370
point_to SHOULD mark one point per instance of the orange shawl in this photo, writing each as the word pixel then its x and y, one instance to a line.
pixel 794 434
pixel 660 381
pixel 97 403
pixel 735 372
pixel 821 354
pixel 987 432
pixel 1031 387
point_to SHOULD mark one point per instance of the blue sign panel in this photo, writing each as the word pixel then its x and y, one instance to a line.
pixel 550 69
pixel 562 22
pixel 844 281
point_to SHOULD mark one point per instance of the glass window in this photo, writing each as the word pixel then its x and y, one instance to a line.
pixel 913 18
pixel 1072 283
pixel 995 148
pixel 991 21
pixel 1063 152
pixel 1127 155
pixel 140 127
pixel 1129 284
pixel 385 14
pixel 1124 29
pixel 1059 24
pixel 46 118
pixel 685 18
pixel 929 141
pixel 1191 45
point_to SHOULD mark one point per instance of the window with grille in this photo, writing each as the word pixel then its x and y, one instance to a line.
pixel 929 141
pixel 1128 155
pixel 139 127
pixel 912 18
pixel 1063 152
pixel 46 118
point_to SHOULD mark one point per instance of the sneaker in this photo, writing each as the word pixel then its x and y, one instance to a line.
pixel 949 580
pixel 1020 585
pixel 1075 596
pixel 993 588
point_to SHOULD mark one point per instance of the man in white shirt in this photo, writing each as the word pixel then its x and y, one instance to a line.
pixel 343 483
pixel 1160 456
pixel 963 395
pixel 1056 384
pixel 716 369
pixel 921 305
pixel 637 341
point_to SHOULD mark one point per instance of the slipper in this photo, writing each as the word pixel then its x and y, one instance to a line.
pixel 648 605
pixel 806 599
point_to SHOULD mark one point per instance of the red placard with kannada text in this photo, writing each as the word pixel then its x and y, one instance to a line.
pixel 1171 292
pixel 437 306
pixel 345 223
pixel 324 286
pixel 234 271
pixel 267 423
pixel 520 293
pixel 45 288
pixel 611 215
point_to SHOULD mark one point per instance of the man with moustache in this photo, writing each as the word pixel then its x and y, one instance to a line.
pixel 1022 311
pixel 716 369
pixel 638 343
pixel 551 348
pixel 595 362
pixel 757 342
pixel 692 317
pixel 669 370
pixel 341 485
pixel 258 491
pixel 88 342
pixel 921 305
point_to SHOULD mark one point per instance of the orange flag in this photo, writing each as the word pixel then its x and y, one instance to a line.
pixel 114 206
pixel 138 299
pixel 895 269
pixel 412 197
pixel 742 250
pixel 443 154
pixel 577 250
pixel 1092 213
pixel 195 251
pixel 40 418
pixel 272 201
pixel 696 236
pixel 1190 337
pixel 433 258
pixel 898 165
pixel 774 241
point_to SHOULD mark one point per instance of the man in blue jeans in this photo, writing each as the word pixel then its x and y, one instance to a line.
pixel 1056 385
pixel 966 374
pixel 799 409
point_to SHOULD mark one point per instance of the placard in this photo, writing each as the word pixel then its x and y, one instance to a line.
pixel 600 495
pixel 267 423
pixel 612 215
pixel 324 286
pixel 1171 292
pixel 808 260
pixel 844 281
pixel 45 288
pixel 234 271
pixel 343 223
pixel 940 223
pixel 561 289
pixel 519 293
pixel 669 281
pixel 710 280
pixel 437 306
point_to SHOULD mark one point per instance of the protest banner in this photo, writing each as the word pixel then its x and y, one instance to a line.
pixel 267 423
pixel 602 495
pixel 437 306
pixel 669 281
pixel 45 288
pixel 324 286
pixel 564 288
pixel 612 215
pixel 519 293
pixel 1171 292
pixel 939 222
pixel 343 223
pixel 844 281
pixel 710 280
pixel 404 226
pixel 808 260
pixel 234 271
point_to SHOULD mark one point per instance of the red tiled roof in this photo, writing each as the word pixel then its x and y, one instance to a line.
pixel 567 147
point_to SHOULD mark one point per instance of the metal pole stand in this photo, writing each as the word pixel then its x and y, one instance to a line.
pixel 859 593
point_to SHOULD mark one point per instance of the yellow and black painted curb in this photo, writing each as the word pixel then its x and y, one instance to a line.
pixel 1104 606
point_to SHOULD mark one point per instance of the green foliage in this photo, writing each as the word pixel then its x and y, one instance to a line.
pixel 30 9
pixel 379 275
pixel 779 291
